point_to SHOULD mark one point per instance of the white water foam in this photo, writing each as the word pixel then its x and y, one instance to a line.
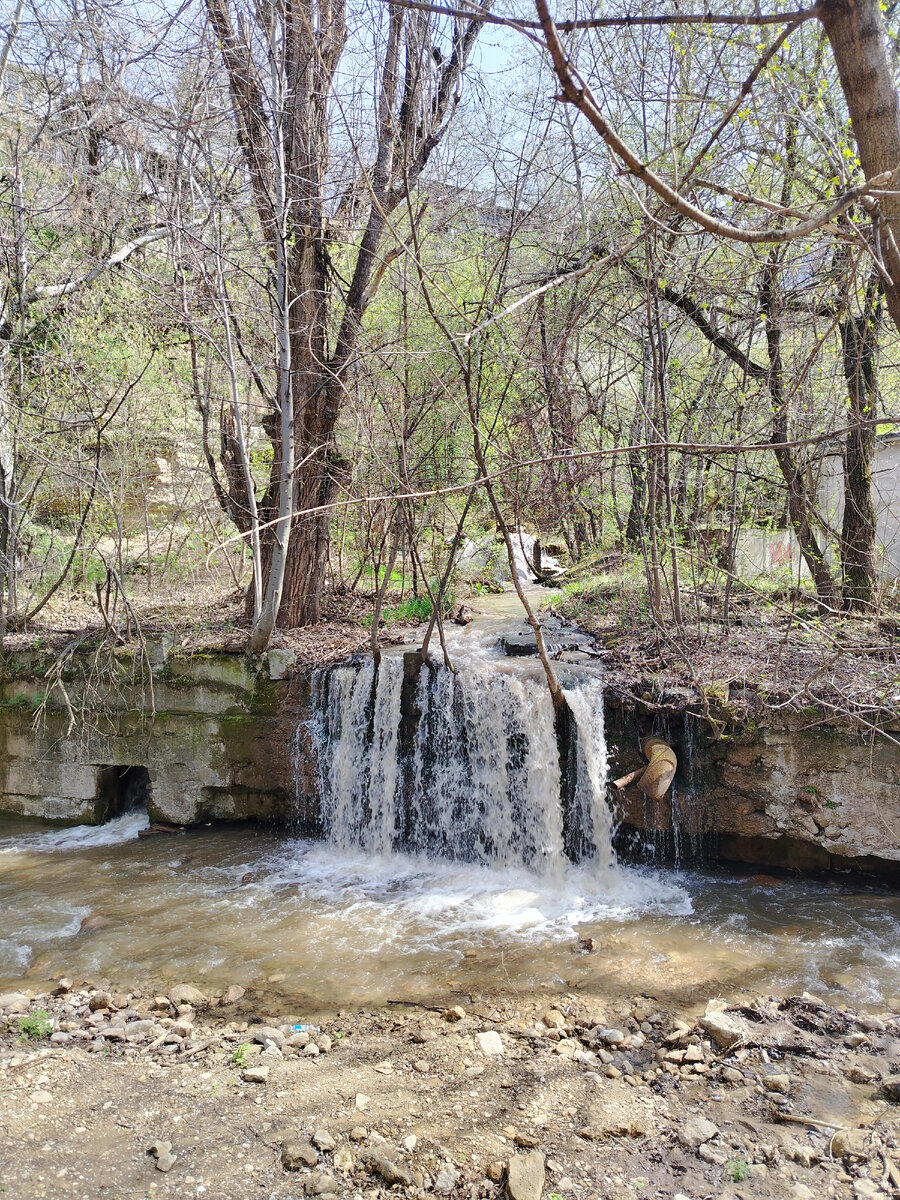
pixel 79 837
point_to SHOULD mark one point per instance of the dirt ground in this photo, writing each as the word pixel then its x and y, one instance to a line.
pixel 565 1097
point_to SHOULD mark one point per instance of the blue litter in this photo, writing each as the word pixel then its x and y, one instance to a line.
pixel 307 1029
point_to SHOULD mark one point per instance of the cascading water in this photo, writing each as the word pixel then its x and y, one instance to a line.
pixel 462 766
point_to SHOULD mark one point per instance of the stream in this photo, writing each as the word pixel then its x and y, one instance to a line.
pixel 446 869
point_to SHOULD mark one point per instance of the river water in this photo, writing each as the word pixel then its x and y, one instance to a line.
pixel 443 873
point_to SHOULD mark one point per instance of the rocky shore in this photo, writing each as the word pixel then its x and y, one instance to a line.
pixel 566 1097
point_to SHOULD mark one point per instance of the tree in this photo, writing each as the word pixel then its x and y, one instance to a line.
pixel 283 68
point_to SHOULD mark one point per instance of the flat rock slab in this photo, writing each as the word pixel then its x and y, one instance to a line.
pixel 525 1176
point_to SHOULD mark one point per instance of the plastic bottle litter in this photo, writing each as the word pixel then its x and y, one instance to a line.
pixel 307 1029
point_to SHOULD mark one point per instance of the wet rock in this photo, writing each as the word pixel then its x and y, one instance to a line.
pixel 489 1043
pixel 185 993
pixel 525 1176
pixel 94 921
pixel 446 1180
pixel 694 1133
pixel 323 1140
pixel 850 1143
pixel 725 1029
pixel 233 994
pixel 63 986
pixel 255 1074
pixel 295 1155
pixel 379 1161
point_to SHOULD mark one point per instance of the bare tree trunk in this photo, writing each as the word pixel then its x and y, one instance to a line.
pixel 858 38
pixel 859 341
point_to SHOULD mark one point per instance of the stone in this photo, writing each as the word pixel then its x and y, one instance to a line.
pixel 554 1019
pixel 63 985
pixel 100 1000
pixel 421 1036
pixel 14 1002
pixel 185 993
pixel 266 1033
pixel 695 1132
pixel 454 1014
pixel 730 1075
pixel 59 1039
pixel 323 1140
pixel 693 1054
pixel 159 1148
pixel 611 1037
pixel 138 1028
pixel 778 1083
pixel 297 1155
pixel 495 1171
pixel 232 994
pixel 711 1155
pixel 525 1174
pixel 379 1161
pixel 358 1133
pixel 362 1101
pixel 862 1074
pixel 850 1143
pixel 865 1189
pixel 725 1029
pixel 409 1143
pixel 801 1192
pixel 324 1042
pixel 255 1074
pixel 165 1162
pixel 311 1050
pixel 446 1180
pixel 41 1097
pixel 527 1141
pixel 321 1185
pixel 489 1043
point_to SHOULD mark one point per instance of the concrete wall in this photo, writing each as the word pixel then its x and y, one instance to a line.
pixel 886 495
pixel 215 735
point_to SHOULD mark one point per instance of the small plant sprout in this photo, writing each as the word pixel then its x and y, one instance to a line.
pixel 239 1058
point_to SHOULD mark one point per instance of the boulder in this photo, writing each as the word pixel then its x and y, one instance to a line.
pixel 525 1176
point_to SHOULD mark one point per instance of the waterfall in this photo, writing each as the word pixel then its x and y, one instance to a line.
pixel 462 766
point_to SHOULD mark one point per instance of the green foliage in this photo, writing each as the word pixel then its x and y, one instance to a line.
pixel 239 1057
pixel 737 1169
pixel 36 1025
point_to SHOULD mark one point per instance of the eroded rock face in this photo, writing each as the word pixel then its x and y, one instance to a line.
pixel 781 797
